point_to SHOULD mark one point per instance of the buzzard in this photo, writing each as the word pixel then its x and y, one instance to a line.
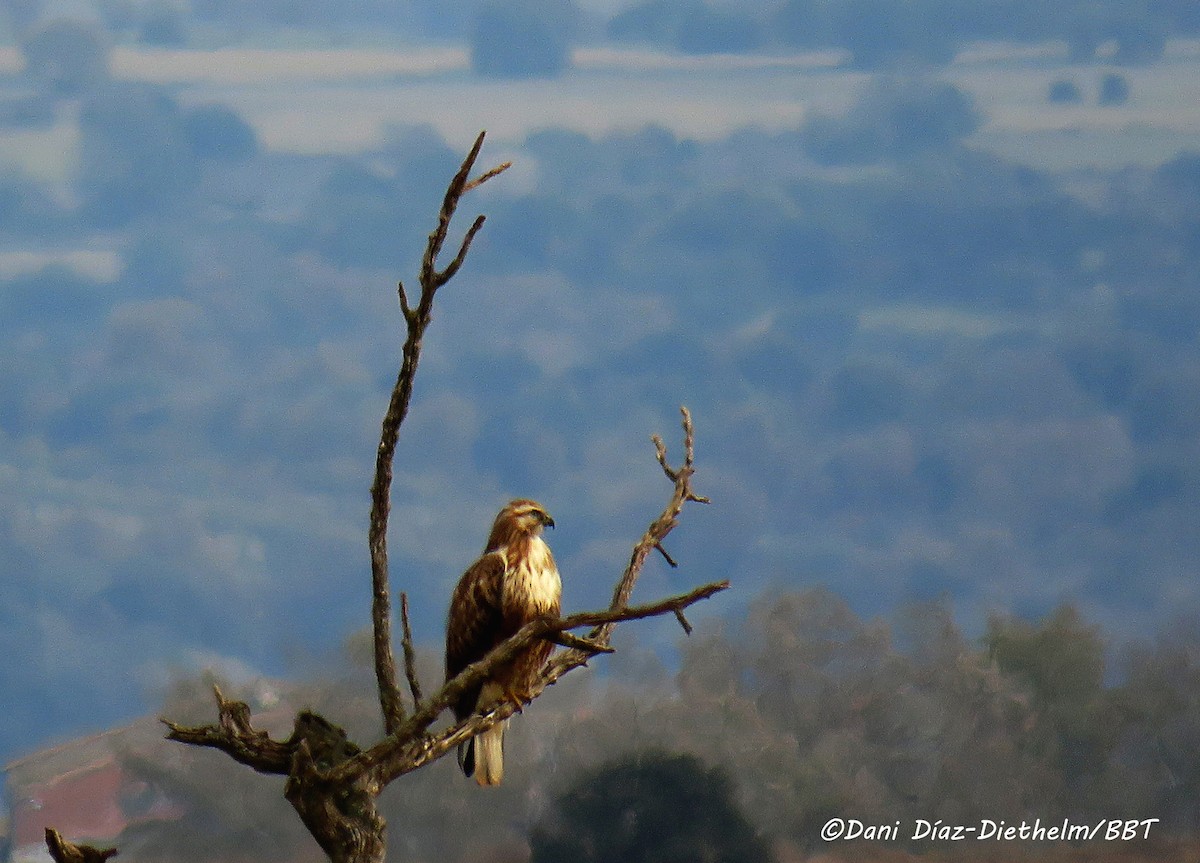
pixel 514 582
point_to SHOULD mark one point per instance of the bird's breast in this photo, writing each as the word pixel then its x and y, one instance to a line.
pixel 533 581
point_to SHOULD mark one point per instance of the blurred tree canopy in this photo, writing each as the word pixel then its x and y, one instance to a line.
pixel 799 711
pixel 652 807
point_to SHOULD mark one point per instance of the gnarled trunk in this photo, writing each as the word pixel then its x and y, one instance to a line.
pixel 340 815
pixel 344 821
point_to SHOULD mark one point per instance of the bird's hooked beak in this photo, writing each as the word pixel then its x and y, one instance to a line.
pixel 546 519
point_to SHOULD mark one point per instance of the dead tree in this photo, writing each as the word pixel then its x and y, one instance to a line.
pixel 332 782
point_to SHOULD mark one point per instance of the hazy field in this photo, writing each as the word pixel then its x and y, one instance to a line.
pixel 344 100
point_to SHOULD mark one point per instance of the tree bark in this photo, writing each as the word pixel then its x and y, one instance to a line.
pixel 341 816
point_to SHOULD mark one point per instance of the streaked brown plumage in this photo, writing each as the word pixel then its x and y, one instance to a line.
pixel 514 582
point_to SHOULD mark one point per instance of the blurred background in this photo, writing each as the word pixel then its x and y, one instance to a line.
pixel 924 272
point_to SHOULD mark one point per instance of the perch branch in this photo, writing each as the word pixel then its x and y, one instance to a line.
pixel 409 747
pixel 417 320
pixel 566 639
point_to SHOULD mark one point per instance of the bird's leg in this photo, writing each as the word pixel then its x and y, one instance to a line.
pixel 516 700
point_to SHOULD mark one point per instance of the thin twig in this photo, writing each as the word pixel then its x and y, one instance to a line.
pixel 682 492
pixel 566 639
pixel 448 273
pixel 405 308
pixel 487 175
pixel 410 655
pixel 670 560
pixel 454 192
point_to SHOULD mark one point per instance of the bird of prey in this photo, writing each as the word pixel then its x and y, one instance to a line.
pixel 514 582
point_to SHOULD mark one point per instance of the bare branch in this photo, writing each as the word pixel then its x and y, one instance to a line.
pixel 236 737
pixel 409 747
pixel 422 750
pixel 660 451
pixel 410 654
pixel 405 308
pixel 417 319
pixel 454 192
pixel 666 521
pixel 682 492
pixel 63 851
pixel 566 639
pixel 670 560
pixel 487 175
pixel 447 274
pixel 431 279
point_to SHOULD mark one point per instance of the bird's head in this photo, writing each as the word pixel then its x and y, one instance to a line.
pixel 523 516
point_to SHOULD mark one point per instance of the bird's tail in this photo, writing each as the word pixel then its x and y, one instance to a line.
pixel 487 753
pixel 483 755
pixel 466 757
